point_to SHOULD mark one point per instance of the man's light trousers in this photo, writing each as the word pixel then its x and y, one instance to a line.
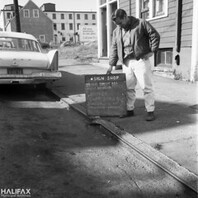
pixel 139 71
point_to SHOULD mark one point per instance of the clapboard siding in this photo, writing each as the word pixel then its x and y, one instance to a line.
pixel 125 5
pixel 186 32
pixel 187 25
pixel 133 7
pixel 167 26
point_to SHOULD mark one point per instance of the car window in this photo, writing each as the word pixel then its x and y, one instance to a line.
pixel 6 44
pixel 18 44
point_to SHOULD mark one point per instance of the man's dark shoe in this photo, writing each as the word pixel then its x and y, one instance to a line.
pixel 128 114
pixel 150 116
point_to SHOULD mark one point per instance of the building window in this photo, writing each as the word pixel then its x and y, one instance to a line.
pixel 93 17
pixel 86 16
pixel 62 26
pixel 54 16
pixel 145 9
pixel 86 23
pixel 62 16
pixel 78 26
pixel 35 13
pixel 42 38
pixel 71 26
pixel 150 9
pixel 26 13
pixel 9 15
pixel 78 16
pixel 63 38
pixel 55 26
pixel 70 16
pixel 93 24
pixel 164 57
pixel 159 8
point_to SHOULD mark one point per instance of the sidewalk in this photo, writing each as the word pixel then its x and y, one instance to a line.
pixel 173 133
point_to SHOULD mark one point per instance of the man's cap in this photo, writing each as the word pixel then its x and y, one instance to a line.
pixel 119 13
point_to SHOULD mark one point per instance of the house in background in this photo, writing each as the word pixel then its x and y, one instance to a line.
pixel 66 24
pixel 175 20
pixel 35 22
pixel 47 24
pixel 6 15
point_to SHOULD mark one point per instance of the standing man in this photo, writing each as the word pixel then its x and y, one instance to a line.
pixel 134 41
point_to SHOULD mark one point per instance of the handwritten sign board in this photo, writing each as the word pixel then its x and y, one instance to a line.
pixel 88 33
pixel 105 95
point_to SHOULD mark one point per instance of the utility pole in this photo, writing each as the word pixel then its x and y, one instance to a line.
pixel 18 24
pixel 74 27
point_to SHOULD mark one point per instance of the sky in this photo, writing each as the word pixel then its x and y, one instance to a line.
pixel 61 5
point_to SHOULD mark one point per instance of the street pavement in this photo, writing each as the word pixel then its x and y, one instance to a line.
pixel 174 132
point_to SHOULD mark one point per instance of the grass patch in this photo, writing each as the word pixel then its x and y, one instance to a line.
pixel 81 53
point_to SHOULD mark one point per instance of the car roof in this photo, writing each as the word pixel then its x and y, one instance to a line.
pixel 17 35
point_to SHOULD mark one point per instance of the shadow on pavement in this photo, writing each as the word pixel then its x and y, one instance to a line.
pixel 174 130
pixel 169 115
pixel 40 150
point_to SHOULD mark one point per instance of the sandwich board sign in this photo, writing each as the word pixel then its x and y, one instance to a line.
pixel 105 94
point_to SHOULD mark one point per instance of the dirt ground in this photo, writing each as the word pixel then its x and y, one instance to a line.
pixel 55 152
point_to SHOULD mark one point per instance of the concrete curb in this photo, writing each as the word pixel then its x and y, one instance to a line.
pixel 162 161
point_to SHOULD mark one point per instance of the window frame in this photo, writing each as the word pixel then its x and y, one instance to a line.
pixel 53 15
pixel 78 16
pixel 70 16
pixel 71 26
pixel 55 26
pixel 165 51
pixel 42 38
pixel 26 11
pixel 78 26
pixel 93 17
pixel 62 16
pixel 8 15
pixel 86 16
pixel 34 13
pixel 151 9
pixel 62 26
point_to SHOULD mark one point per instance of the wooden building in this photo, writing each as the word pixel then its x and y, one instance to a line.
pixel 175 20
pixel 46 23
pixel 35 22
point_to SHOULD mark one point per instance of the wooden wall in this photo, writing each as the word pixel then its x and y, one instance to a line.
pixel 166 26
pixel 187 13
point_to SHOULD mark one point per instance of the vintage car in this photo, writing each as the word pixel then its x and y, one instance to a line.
pixel 22 60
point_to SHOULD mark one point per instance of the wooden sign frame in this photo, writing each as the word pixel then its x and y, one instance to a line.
pixel 105 94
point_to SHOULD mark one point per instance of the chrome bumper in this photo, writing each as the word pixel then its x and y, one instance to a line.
pixel 34 78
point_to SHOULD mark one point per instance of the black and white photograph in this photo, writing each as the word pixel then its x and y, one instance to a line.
pixel 98 98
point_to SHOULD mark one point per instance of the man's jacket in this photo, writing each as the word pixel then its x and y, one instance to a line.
pixel 144 39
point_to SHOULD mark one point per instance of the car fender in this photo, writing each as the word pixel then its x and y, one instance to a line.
pixel 53 59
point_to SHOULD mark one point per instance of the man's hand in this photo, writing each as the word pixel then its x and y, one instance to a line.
pixel 109 70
